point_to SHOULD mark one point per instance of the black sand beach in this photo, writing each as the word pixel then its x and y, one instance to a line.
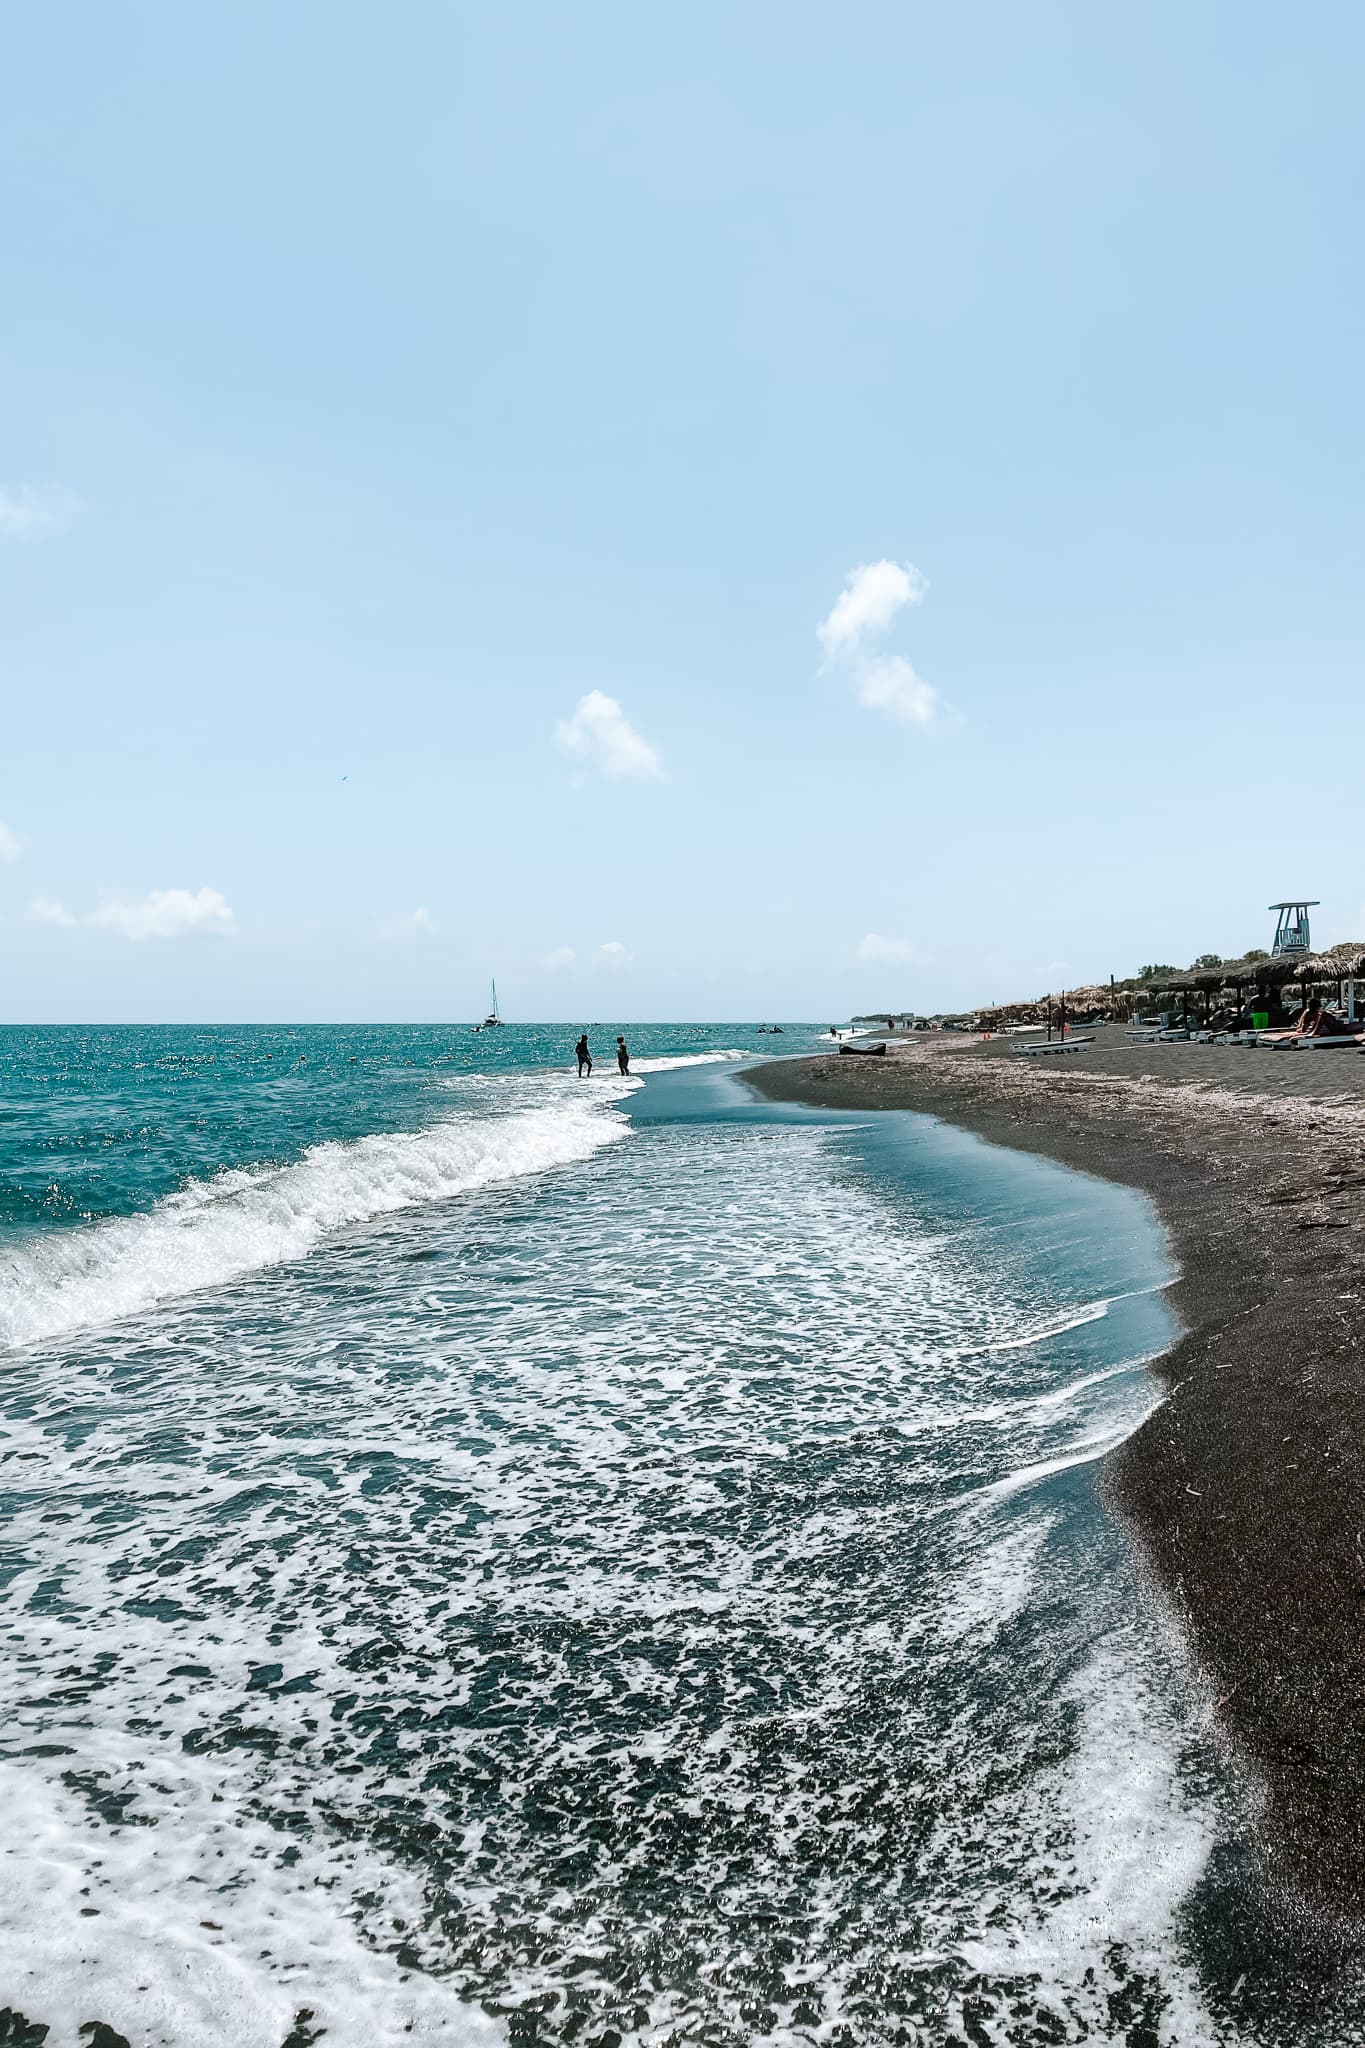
pixel 1246 1488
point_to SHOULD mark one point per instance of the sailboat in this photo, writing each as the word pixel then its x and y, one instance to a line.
pixel 492 1022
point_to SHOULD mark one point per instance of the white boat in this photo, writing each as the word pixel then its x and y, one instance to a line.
pixel 492 1022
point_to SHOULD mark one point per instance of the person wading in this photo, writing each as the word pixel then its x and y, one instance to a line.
pixel 622 1055
pixel 583 1055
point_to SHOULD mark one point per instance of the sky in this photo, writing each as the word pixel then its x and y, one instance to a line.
pixel 707 512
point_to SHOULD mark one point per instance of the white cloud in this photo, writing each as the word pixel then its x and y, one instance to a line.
pixel 167 914
pixel 612 954
pixel 44 911
pixel 600 731
pixel 871 597
pixel 11 845
pixel 413 924
pixel 868 602
pixel 887 682
pixel 560 956
pixel 872 946
pixel 25 512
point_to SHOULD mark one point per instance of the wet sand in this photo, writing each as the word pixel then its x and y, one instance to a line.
pixel 1246 1488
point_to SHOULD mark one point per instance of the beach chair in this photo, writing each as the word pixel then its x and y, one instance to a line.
pixel 1303 1041
pixel 1142 1034
pixel 1055 1045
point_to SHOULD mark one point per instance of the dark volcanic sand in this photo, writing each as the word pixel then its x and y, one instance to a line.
pixel 1247 1486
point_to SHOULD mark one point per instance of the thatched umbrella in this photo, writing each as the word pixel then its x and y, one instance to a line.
pixel 1336 963
pixel 1264 975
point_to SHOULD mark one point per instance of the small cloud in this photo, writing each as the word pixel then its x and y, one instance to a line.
pixel 44 911
pixel 168 914
pixel 412 925
pixel 887 682
pixel 872 946
pixel 612 954
pixel 561 956
pixel 11 845
pixel 868 602
pixel 600 731
pixel 871 598
pixel 25 512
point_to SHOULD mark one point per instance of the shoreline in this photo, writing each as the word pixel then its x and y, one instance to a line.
pixel 1245 1488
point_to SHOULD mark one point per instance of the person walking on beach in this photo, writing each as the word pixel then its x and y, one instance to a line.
pixel 622 1054
pixel 583 1056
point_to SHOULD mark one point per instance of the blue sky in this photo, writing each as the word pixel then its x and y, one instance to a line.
pixel 434 438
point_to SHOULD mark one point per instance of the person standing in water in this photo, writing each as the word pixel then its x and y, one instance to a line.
pixel 583 1055
pixel 622 1055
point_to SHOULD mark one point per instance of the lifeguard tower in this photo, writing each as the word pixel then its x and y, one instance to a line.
pixel 1291 933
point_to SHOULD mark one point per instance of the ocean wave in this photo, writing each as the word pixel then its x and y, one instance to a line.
pixel 243 1220
pixel 666 1062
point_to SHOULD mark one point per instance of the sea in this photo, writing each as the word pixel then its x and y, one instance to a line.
pixel 494 1557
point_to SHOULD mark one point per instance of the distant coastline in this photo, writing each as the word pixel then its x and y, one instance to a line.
pixel 1244 1488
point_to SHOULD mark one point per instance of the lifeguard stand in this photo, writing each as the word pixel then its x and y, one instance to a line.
pixel 1291 933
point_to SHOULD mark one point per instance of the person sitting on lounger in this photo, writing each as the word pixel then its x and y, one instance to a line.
pixel 1316 1021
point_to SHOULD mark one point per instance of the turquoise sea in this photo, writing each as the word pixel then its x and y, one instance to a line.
pixel 494 1557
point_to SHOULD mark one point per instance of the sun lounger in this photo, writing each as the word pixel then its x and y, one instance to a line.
pixel 1307 1042
pixel 1056 1045
pixel 1142 1034
pixel 1172 1037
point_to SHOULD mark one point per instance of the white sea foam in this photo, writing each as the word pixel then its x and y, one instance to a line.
pixel 104 1922
pixel 1056 1326
pixel 399 1613
pixel 1088 1451
pixel 665 1063
pixel 214 1231
pixel 1134 1846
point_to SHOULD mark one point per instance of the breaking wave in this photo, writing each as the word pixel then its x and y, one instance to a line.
pixel 241 1221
